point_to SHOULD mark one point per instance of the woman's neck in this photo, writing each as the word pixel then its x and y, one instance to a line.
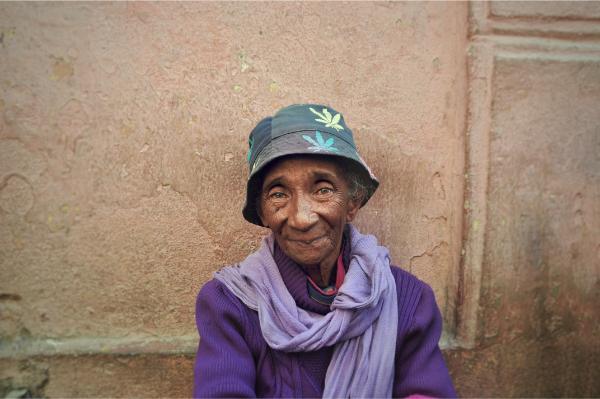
pixel 321 275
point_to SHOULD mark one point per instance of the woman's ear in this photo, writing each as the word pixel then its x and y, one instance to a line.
pixel 259 213
pixel 353 207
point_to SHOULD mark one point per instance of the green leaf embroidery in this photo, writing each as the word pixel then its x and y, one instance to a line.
pixel 319 138
pixel 310 140
pixel 320 144
pixel 327 119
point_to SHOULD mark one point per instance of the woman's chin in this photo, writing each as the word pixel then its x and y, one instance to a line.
pixel 308 254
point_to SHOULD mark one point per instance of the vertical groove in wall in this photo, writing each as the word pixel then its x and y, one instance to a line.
pixel 479 67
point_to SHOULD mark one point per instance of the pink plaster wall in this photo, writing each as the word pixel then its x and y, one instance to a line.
pixel 123 130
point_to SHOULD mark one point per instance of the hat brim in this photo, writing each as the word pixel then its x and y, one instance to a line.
pixel 296 143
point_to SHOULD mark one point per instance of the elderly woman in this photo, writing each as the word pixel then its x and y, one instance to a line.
pixel 318 310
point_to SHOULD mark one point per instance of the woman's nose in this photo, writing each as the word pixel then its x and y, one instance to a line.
pixel 302 215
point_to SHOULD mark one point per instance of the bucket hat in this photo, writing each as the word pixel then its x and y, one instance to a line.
pixel 300 129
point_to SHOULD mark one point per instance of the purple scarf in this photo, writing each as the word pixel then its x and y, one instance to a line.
pixel 362 323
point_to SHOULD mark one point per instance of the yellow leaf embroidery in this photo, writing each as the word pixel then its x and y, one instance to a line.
pixel 327 118
pixel 335 119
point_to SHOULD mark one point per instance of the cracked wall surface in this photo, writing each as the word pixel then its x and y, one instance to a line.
pixel 123 135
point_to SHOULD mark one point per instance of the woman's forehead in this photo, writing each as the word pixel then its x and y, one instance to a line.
pixel 305 162
pixel 296 166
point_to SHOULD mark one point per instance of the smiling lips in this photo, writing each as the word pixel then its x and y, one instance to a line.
pixel 307 242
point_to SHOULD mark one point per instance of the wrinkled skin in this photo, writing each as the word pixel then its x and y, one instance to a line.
pixel 306 203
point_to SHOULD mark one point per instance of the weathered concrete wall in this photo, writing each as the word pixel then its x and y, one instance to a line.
pixel 529 310
pixel 123 141
pixel 123 134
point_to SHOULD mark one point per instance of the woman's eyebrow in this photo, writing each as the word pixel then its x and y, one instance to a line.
pixel 276 181
pixel 324 175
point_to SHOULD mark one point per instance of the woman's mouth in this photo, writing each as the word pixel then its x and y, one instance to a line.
pixel 310 241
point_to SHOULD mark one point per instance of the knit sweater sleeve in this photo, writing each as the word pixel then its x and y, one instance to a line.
pixel 420 367
pixel 224 365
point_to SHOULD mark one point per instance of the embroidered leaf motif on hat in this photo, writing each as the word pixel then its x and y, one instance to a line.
pixel 327 118
pixel 320 144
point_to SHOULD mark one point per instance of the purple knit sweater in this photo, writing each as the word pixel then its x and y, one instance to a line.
pixel 233 359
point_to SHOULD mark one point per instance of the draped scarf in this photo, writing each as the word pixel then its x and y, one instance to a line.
pixel 362 323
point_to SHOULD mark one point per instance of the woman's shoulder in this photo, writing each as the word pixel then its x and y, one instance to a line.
pixel 215 303
pixel 416 299
pixel 213 289
pixel 407 283
pixel 216 296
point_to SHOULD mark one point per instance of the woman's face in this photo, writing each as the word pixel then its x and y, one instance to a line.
pixel 306 202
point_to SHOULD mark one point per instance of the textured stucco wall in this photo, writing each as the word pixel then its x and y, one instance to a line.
pixel 529 310
pixel 123 133
pixel 122 159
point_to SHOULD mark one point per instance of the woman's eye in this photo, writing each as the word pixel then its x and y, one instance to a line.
pixel 277 195
pixel 324 191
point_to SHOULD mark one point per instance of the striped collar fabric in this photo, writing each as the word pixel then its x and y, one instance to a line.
pixel 327 294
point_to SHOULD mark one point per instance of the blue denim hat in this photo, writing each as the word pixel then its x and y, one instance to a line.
pixel 300 129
